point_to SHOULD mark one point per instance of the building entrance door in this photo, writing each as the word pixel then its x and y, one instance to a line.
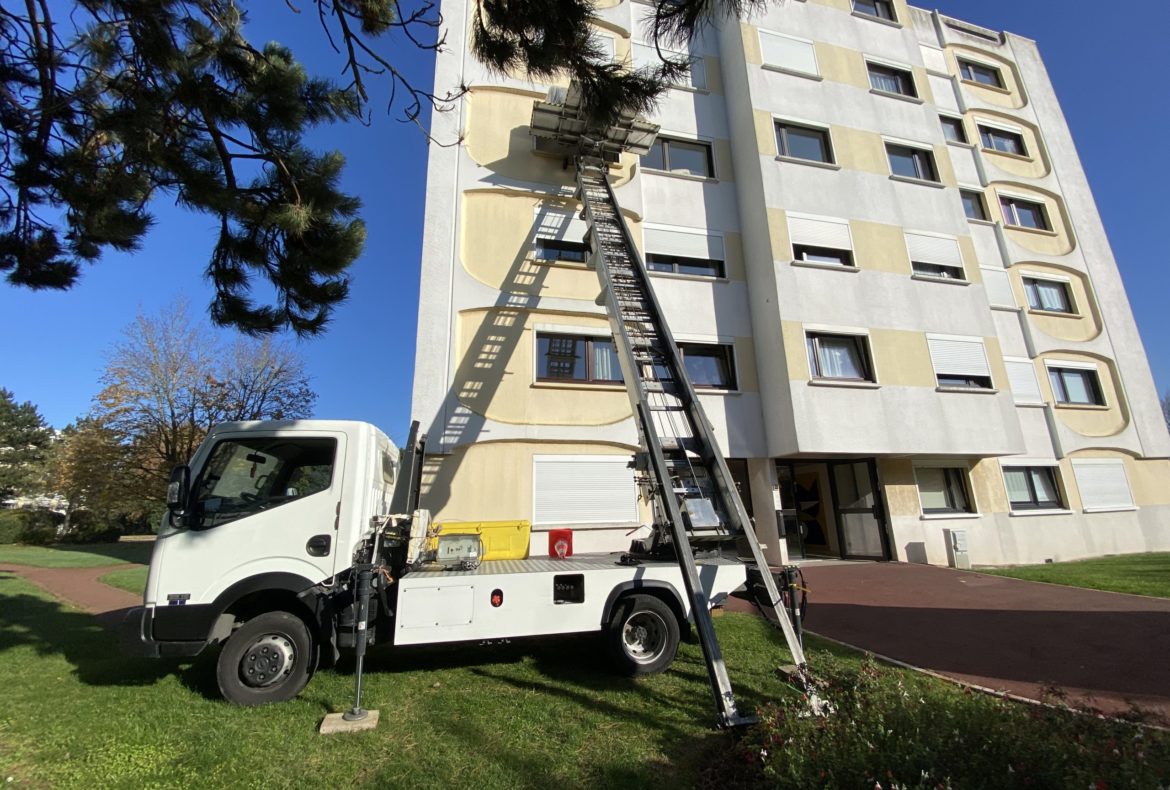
pixel 832 509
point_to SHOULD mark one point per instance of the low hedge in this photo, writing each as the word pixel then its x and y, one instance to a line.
pixel 33 527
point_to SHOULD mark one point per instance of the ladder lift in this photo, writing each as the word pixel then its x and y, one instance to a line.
pixel 697 506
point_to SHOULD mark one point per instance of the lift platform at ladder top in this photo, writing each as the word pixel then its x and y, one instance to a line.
pixel 696 503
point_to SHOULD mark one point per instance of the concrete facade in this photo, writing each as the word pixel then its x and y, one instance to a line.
pixel 949 417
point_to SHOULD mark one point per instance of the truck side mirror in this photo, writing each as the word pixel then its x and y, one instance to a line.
pixel 179 494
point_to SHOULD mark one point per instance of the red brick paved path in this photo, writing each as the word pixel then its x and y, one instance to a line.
pixel 80 587
pixel 1103 649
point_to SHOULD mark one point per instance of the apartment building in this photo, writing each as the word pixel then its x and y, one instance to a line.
pixel 878 251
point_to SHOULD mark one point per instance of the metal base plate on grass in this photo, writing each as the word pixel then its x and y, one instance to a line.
pixel 335 722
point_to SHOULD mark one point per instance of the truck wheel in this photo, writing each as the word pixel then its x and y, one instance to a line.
pixel 267 659
pixel 643 635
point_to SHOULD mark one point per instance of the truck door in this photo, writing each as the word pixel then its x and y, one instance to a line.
pixel 262 503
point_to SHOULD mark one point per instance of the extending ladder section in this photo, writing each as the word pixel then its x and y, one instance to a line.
pixel 696 501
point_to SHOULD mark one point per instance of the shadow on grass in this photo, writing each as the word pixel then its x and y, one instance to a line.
pixel 49 628
pixel 134 551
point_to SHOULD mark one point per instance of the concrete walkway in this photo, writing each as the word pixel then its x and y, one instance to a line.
pixel 1106 650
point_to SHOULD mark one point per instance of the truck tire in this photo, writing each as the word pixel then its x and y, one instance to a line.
pixel 643 635
pixel 267 659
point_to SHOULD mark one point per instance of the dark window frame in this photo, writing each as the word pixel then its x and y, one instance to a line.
pixel 922 158
pixel 978 200
pixel 656 261
pixel 955 476
pixel 1034 502
pixel 1037 304
pixel 904 77
pixel 801 251
pixel 724 350
pixel 588 341
pixel 882 9
pixel 566 250
pixel 947 272
pixel 963 381
pixel 970 71
pixel 1060 390
pixel 1009 207
pixel 860 344
pixel 667 142
pixel 785 148
pixel 991 136
pixel 955 124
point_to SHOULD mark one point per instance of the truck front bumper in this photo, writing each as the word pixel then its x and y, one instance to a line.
pixel 136 637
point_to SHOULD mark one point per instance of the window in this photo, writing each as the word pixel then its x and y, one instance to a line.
pixel 804 142
pixel 981 73
pixel 1103 484
pixel 788 54
pixel 881 9
pixel 943 489
pixel 973 205
pixel 935 256
pixel 677 264
pixel 646 56
pixel 839 357
pixel 907 162
pixel 1076 386
pixel 953 129
pixel 810 254
pixel 1050 295
pixel 709 366
pixel 1021 373
pixel 680 156
pixel 1002 140
pixel 1032 487
pixel 583 489
pixel 1021 213
pixel 959 362
pixel 561 250
pixel 890 79
pixel 590 360
pixel 244 476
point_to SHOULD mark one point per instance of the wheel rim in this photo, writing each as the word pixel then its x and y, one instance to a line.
pixel 267 661
pixel 644 637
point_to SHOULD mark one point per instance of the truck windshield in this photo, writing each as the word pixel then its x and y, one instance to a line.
pixel 245 475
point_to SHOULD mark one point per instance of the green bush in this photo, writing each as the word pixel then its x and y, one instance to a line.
pixel 32 527
pixel 85 526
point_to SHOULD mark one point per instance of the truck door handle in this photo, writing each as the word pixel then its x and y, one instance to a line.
pixel 318 545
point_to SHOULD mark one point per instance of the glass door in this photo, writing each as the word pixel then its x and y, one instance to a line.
pixel 860 518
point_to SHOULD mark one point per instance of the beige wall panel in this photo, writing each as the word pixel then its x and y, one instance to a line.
pixel 714 69
pixel 879 247
pixel 745 365
pixel 496 374
pixel 970 259
pixel 901 488
pixel 778 233
pixel 795 350
pixel 902 358
pixel 1011 96
pixel 492 481
pixel 496 135
pixel 724 170
pixel 1088 420
pixel 751 44
pixel 859 150
pixel 765 132
pixel 999 377
pixel 734 264
pixel 1068 486
pixel 838 64
pixel 987 480
pixel 1085 325
pixel 946 167
pixel 922 83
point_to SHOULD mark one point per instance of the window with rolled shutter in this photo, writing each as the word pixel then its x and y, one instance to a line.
pixel 935 256
pixel 1022 380
pixel 1103 484
pixel 583 489
pixel 998 286
pixel 785 52
pixel 820 232
pixel 959 362
pixel 559 234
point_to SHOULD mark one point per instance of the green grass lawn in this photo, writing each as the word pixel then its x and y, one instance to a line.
pixel 129 579
pixel 1141 574
pixel 83 556
pixel 76 713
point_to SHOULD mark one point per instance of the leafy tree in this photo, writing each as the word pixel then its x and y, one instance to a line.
pixel 121 101
pixel 168 381
pixel 24 442
pixel 94 471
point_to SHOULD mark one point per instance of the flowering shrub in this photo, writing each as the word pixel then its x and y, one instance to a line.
pixel 893 730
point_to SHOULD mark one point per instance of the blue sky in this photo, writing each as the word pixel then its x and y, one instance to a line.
pixel 1108 67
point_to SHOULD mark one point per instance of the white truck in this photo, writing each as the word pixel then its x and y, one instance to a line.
pixel 269 521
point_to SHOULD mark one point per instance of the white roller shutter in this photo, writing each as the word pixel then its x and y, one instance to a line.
pixel 958 357
pixel 788 53
pixel 583 489
pixel 558 222
pixel 1103 483
pixel 998 286
pixel 820 232
pixel 943 90
pixel 934 249
pixel 688 245
pixel 1022 380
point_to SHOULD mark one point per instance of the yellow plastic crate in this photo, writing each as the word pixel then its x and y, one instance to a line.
pixel 502 540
